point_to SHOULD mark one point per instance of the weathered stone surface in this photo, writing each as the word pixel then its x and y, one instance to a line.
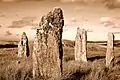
pixel 110 49
pixel 23 47
pixel 81 45
pixel 48 51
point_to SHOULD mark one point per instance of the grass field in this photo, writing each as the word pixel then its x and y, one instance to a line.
pixel 14 68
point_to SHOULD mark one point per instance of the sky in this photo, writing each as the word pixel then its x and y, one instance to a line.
pixel 17 17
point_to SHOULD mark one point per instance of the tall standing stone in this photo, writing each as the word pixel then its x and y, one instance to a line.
pixel 81 45
pixel 48 51
pixel 110 49
pixel 23 47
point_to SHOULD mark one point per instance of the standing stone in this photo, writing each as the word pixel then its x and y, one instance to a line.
pixel 81 45
pixel 48 51
pixel 23 48
pixel 110 49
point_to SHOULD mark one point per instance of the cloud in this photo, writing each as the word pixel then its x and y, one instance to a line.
pixel 25 21
pixel 17 34
pixel 89 30
pixel 8 33
pixel 73 19
pixel 109 22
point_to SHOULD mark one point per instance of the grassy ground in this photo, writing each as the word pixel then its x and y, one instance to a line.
pixel 14 68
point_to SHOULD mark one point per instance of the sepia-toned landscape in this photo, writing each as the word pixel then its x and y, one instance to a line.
pixel 46 59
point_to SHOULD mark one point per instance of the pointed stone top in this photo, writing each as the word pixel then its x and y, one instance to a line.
pixel 110 33
pixel 54 17
pixel 78 28
pixel 23 33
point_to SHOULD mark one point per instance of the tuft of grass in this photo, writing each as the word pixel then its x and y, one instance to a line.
pixel 73 70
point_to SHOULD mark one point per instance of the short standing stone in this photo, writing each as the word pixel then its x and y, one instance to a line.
pixel 23 48
pixel 110 49
pixel 81 45
pixel 47 50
